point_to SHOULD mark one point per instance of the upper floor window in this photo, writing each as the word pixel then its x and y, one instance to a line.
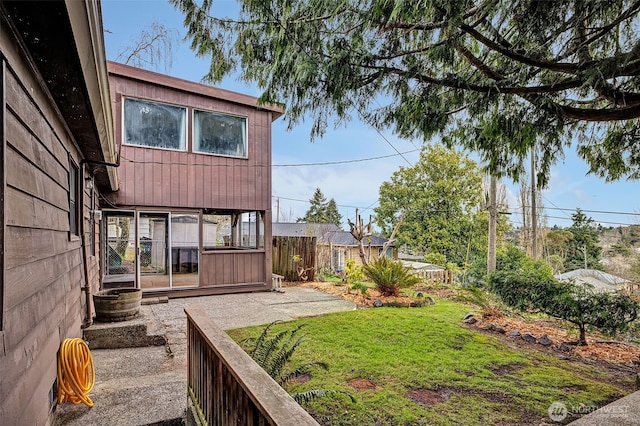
pixel 219 134
pixel 154 124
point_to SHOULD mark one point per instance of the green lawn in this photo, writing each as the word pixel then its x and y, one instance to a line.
pixel 428 351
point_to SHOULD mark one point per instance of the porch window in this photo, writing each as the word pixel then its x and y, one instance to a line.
pixel 155 124
pixel 219 134
pixel 232 230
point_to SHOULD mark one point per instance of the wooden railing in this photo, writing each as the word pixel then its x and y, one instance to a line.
pixel 227 387
pixel 276 282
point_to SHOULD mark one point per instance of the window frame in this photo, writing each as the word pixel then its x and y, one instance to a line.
pixel 185 126
pixel 75 204
pixel 223 114
pixel 256 231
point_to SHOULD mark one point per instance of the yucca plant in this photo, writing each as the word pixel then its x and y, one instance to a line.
pixel 272 353
pixel 390 276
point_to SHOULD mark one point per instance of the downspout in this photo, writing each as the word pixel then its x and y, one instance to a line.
pixel 83 250
pixel 87 284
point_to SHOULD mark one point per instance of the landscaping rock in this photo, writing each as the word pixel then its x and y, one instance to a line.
pixel 429 301
pixel 470 318
pixel 529 338
pixel 565 347
pixel 514 333
pixel 545 340
pixel 377 303
pixel 494 327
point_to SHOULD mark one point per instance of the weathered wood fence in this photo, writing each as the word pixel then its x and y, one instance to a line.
pixel 227 387
pixel 285 248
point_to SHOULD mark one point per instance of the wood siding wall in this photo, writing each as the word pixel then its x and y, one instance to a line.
pixel 160 177
pixel 233 267
pixel 44 272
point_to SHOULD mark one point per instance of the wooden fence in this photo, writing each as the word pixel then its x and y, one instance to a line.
pixel 284 250
pixel 227 387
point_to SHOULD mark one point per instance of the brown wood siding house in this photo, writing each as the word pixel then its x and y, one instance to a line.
pixel 194 176
pixel 57 133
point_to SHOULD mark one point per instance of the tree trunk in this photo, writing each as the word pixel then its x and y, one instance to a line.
pixel 583 335
pixel 360 232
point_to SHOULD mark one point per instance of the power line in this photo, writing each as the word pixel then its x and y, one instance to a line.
pixel 345 161
pixel 587 211
pixel 339 205
pixel 598 221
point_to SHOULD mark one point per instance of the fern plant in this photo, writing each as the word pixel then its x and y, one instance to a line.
pixel 390 276
pixel 273 353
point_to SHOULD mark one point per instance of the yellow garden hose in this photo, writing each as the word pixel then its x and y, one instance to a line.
pixel 76 375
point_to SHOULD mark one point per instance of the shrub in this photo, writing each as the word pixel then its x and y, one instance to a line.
pixel 273 353
pixel 538 291
pixel 360 286
pixel 390 276
pixel 486 301
pixel 353 271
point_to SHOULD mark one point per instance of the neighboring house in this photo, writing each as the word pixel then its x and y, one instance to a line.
pixel 333 245
pixel 601 281
pixel 193 212
pixel 336 247
pixel 57 144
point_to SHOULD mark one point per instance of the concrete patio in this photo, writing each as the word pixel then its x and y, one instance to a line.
pixel 148 385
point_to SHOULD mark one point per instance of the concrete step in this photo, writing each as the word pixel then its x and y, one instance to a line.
pixel 135 333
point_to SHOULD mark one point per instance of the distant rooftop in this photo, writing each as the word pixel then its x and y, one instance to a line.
pixel 344 238
pixel 601 281
pixel 299 229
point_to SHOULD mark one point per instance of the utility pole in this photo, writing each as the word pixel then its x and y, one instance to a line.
pixel 278 209
pixel 534 212
pixel 493 219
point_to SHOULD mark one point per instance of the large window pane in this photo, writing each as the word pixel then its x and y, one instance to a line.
pixel 219 134
pixel 232 230
pixel 185 237
pixel 154 124
pixel 216 230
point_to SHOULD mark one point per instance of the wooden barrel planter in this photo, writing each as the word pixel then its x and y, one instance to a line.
pixel 117 304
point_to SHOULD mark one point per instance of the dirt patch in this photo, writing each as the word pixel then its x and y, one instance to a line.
pixel 362 384
pixel 503 370
pixel 428 397
pixel 303 378
pixel 497 397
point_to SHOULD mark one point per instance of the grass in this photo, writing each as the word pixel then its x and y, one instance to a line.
pixel 403 350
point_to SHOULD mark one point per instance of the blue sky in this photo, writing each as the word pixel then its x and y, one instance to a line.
pixel 356 184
